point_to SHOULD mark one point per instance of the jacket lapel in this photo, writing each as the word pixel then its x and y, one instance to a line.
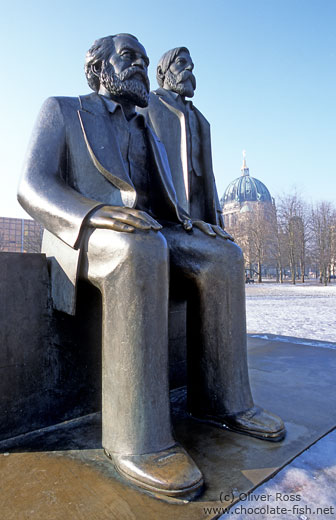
pixel 177 117
pixel 214 210
pixel 211 196
pixel 162 164
pixel 102 145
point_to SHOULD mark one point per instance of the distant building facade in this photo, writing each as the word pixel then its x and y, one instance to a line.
pixel 20 235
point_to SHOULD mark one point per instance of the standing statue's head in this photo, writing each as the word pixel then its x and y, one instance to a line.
pixel 174 72
pixel 117 66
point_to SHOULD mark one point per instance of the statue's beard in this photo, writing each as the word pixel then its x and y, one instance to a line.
pixel 183 83
pixel 123 86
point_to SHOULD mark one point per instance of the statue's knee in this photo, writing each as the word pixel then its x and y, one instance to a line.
pixel 146 247
pixel 235 252
pixel 224 259
pixel 223 251
pixel 106 242
pixel 233 261
pixel 109 250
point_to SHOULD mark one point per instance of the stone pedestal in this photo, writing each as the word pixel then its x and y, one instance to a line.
pixel 50 363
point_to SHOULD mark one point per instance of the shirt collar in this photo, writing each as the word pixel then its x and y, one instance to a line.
pixel 179 98
pixel 112 106
pixel 174 95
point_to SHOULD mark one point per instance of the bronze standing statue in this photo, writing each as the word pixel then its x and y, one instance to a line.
pixel 98 179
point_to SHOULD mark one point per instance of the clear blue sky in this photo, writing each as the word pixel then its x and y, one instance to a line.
pixel 265 69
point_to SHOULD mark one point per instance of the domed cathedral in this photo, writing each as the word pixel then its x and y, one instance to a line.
pixel 243 195
pixel 250 216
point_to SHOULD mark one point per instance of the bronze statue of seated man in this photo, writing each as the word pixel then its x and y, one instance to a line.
pixel 98 179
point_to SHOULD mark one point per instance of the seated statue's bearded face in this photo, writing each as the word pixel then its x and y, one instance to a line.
pixel 179 77
pixel 124 74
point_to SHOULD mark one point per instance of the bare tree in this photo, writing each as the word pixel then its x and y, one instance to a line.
pixel 323 230
pixel 294 235
pixel 333 247
pixel 262 234
pixel 281 252
pixel 254 233
pixel 293 215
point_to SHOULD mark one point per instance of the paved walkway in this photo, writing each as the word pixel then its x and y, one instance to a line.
pixel 61 472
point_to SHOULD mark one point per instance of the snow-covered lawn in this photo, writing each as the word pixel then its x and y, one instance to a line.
pixel 303 311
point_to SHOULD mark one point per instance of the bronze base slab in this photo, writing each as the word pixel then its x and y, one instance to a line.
pixel 61 472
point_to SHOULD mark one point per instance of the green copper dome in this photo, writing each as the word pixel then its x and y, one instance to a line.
pixel 245 189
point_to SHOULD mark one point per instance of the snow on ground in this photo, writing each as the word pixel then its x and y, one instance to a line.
pixel 302 310
pixel 303 490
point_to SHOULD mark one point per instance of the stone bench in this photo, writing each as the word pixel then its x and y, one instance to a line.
pixel 50 363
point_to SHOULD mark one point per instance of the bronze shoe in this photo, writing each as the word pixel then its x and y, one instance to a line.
pixel 170 472
pixel 255 422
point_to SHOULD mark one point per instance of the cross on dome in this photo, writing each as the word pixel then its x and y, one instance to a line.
pixel 244 169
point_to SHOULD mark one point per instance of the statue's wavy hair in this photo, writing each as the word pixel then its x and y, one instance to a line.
pixel 98 53
pixel 165 61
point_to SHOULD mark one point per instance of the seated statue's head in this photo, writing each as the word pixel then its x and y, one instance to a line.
pixel 117 66
pixel 174 72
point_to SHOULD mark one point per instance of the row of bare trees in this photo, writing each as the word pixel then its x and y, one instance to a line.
pixel 293 237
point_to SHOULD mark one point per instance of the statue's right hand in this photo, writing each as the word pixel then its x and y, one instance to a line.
pixel 124 219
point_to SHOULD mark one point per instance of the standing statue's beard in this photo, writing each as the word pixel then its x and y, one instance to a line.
pixel 132 84
pixel 183 83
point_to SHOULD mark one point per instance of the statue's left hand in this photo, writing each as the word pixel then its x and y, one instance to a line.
pixel 210 229
pixel 123 219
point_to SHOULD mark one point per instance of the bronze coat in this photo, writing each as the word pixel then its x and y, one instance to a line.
pixel 168 122
pixel 74 166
